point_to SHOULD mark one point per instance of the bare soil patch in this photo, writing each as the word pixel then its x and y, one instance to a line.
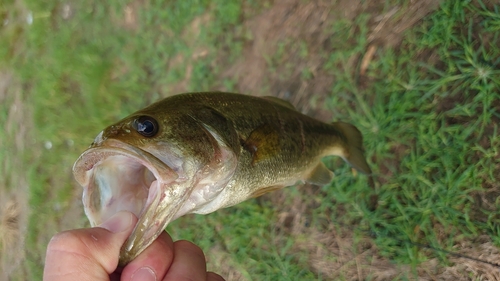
pixel 285 24
pixel 14 208
pixel 18 146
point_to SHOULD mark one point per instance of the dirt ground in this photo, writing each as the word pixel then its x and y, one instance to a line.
pixel 305 21
pixel 14 208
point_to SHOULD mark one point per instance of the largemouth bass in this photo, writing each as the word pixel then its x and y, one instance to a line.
pixel 200 152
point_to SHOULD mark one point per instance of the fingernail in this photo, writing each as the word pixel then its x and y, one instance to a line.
pixel 143 274
pixel 119 222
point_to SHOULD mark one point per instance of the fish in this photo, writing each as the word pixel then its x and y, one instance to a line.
pixel 200 152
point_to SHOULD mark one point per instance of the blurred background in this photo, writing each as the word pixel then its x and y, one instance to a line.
pixel 420 79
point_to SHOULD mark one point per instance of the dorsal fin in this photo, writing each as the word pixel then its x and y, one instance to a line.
pixel 279 101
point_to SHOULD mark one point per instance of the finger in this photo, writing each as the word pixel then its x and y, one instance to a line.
pixel 89 253
pixel 153 262
pixel 212 276
pixel 189 263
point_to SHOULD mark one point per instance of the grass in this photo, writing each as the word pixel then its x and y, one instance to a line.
pixel 426 120
pixel 428 109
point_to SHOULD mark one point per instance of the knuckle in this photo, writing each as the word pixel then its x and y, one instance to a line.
pixel 70 241
pixel 63 240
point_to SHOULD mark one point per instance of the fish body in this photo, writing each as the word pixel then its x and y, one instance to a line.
pixel 199 152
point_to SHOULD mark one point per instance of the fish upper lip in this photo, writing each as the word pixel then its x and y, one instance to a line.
pixel 109 147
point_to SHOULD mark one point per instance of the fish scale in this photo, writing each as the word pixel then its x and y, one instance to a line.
pixel 204 152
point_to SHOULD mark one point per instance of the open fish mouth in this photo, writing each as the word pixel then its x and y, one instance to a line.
pixel 115 177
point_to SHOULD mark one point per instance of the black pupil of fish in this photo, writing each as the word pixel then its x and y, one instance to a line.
pixel 147 126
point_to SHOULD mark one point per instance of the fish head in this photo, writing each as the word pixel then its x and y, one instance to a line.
pixel 132 166
pixel 158 164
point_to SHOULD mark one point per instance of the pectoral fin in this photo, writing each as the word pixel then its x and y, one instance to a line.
pixel 320 175
pixel 265 190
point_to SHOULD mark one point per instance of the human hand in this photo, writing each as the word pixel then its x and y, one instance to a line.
pixel 92 254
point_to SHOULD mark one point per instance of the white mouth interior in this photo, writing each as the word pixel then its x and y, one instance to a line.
pixel 117 183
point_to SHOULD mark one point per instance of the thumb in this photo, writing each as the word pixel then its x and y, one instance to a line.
pixel 88 253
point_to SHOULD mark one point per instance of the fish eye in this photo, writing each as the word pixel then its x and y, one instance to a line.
pixel 146 126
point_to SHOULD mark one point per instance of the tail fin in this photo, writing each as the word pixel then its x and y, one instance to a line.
pixel 354 147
